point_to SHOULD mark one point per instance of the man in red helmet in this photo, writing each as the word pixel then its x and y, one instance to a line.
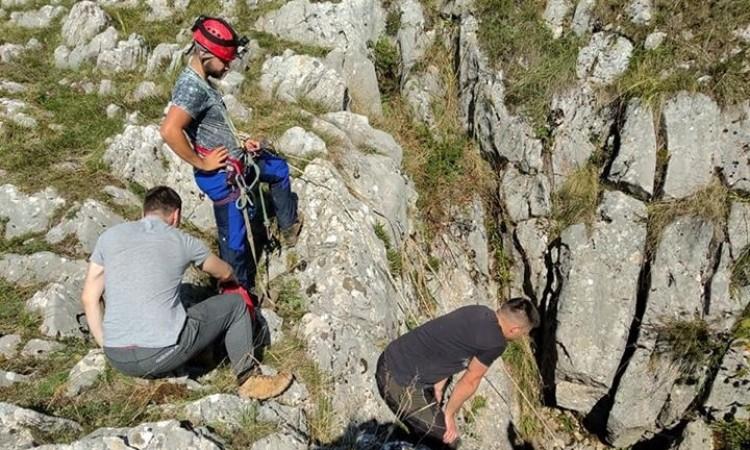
pixel 198 128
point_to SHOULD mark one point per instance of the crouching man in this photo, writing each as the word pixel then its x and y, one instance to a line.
pixel 414 369
pixel 144 328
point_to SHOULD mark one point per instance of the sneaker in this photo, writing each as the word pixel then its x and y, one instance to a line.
pixel 262 387
pixel 290 235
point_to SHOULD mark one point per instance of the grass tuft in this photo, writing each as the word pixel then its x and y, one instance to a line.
pixel 290 303
pixel 577 199
pixel 688 343
pixel 251 429
pixel 519 358
pixel 734 435
pixel 387 70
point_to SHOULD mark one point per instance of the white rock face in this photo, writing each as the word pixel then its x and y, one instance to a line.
pixel 555 14
pixel 301 143
pixel 9 379
pixel 654 40
pixel 349 23
pixel 635 164
pixel 237 110
pixel 692 123
pixel 40 349
pixel 17 112
pixel 163 53
pixel 10 52
pixel 27 213
pixel 582 17
pixel 640 11
pixel 604 59
pixel 525 196
pixel 124 58
pixel 413 37
pixel 140 155
pixel 293 78
pixel 66 58
pixel 420 91
pixel 359 75
pixel 734 156
pixel 37 19
pixel 85 373
pixel 9 345
pixel 144 90
pixel 38 268
pixel 730 397
pixel 123 197
pixel 85 20
pixel 89 221
pixel 14 419
pixel 58 303
pixel 12 87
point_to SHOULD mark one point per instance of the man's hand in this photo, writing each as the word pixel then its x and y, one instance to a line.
pixel 451 432
pixel 215 160
pixel 252 146
pixel 217 268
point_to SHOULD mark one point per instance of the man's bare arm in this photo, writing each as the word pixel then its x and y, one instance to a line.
pixel 217 268
pixel 93 288
pixel 172 131
pixel 465 388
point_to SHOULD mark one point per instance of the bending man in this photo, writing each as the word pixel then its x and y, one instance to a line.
pixel 144 329
pixel 413 370
pixel 198 129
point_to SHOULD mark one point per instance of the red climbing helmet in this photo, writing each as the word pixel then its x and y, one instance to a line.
pixel 218 37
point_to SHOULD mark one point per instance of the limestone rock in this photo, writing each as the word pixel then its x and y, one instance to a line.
pixel 413 36
pixel 105 41
pixel 739 227
pixel 223 409
pixel 125 4
pixel 290 418
pixel 735 146
pixel 124 58
pixel 358 73
pixel 163 53
pixel 349 23
pixel 231 83
pixel 605 58
pixel 692 125
pixel 12 87
pixel 697 436
pixel 85 20
pixel 373 166
pixel 140 155
pixel 651 394
pixel 730 394
pixel 525 196
pixel 37 19
pixel 113 111
pixel 10 52
pixel 582 17
pixel 145 90
pixel 9 345
pixel 555 14
pixel 237 110
pixel 11 378
pixel 635 164
pixel 532 240
pixel 42 267
pixel 640 11
pixel 279 441
pixel 84 374
pixel 654 40
pixel 15 438
pixel 146 436
pixel 88 222
pixel 106 87
pixel 294 78
pixel 17 419
pixel 59 304
pixel 17 111
pixel 27 213
pixel 420 91
pixel 122 197
pixel 14 3
pixel 158 10
pixel 500 134
pixel 298 142
pixel 589 352
pixel 580 121
pixel 40 349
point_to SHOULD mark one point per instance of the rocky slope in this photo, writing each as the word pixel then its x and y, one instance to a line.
pixel 625 220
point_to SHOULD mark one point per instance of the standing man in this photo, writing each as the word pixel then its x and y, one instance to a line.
pixel 198 129
pixel 144 329
pixel 413 370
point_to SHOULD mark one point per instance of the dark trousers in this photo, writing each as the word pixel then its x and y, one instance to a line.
pixel 415 406
pixel 219 316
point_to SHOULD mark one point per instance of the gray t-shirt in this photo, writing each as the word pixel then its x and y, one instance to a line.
pixel 205 105
pixel 143 266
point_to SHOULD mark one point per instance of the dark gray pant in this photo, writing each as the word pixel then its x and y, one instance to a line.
pixel 207 321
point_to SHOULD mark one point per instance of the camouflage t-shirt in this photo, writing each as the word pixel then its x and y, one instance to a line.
pixel 204 104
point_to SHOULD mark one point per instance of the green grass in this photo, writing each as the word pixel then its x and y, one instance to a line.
pixel 477 404
pixel 520 361
pixel 290 303
pixel 687 343
pixel 251 429
pixel 395 263
pixel 13 315
pixel 682 60
pixel 577 199
pixel 733 435
pixel 740 273
pixel 387 69
pixel 514 37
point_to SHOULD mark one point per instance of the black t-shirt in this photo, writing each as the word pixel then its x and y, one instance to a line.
pixel 444 346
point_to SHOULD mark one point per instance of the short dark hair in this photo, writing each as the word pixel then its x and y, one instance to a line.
pixel 523 310
pixel 163 199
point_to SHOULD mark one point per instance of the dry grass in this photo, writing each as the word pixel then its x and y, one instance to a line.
pixel 711 204
pixel 577 199
pixel 687 343
pixel 519 358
